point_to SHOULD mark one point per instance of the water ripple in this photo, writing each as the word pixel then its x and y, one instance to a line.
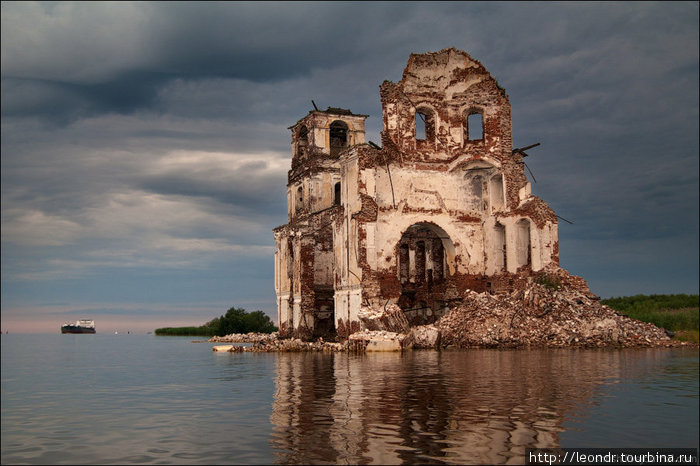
pixel 164 401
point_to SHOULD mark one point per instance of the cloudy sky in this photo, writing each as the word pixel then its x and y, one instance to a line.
pixel 145 145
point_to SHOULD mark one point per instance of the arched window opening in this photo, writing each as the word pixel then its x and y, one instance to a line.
pixel 478 186
pixel 302 141
pixel 338 137
pixel 475 186
pixel 420 126
pixel 336 194
pixel 425 125
pixel 474 126
pixel 300 199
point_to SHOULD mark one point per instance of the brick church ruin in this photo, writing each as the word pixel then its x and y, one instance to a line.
pixel 441 208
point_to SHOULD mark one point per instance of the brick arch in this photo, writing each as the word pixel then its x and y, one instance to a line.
pixel 447 242
pixel 426 254
pixel 402 224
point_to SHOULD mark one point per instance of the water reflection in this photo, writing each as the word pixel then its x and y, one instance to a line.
pixel 481 406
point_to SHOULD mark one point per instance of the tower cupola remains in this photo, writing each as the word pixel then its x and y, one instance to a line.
pixel 317 141
pixel 441 207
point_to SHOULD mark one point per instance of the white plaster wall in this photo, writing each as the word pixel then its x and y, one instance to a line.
pixel 347 303
pixel 536 247
pixel 544 239
pixel 296 310
pixel 355 301
pixel 322 190
pixel 281 258
pixel 433 190
pixel 441 197
pixel 283 308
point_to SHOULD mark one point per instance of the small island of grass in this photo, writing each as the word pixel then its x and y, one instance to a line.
pixel 236 320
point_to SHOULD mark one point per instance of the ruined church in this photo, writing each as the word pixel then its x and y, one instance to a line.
pixel 443 206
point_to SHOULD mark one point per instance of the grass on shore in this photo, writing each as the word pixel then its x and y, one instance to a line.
pixel 677 313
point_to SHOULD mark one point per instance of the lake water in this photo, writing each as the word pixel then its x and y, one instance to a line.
pixel 87 399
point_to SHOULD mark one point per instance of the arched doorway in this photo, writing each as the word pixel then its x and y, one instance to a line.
pixel 424 254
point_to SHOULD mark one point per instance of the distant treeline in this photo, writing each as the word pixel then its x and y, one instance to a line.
pixel 236 320
pixel 675 312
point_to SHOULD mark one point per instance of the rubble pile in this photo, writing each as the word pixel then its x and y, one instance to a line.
pixel 391 318
pixel 295 344
pixel 252 337
pixel 551 309
pixel 379 340
pixel 426 336
pixel 280 345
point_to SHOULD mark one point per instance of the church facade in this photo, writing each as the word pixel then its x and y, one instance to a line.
pixel 441 207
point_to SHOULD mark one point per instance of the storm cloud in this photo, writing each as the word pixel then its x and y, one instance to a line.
pixel 145 146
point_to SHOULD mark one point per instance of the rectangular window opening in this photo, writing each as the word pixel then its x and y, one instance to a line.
pixel 420 126
pixel 336 194
pixel 476 126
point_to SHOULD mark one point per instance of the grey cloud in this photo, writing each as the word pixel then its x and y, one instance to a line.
pixel 97 96
pixel 245 194
pixel 255 42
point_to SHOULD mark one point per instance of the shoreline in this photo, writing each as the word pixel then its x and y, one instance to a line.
pixel 379 341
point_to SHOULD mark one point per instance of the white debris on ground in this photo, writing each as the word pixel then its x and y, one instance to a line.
pixel 391 318
pixel 380 340
pixel 252 337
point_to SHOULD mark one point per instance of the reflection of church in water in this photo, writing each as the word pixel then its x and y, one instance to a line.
pixel 483 407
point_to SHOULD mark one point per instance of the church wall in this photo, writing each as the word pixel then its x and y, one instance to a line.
pixel 446 167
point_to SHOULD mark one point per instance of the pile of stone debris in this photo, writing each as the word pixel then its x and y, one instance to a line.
pixel 280 345
pixel 550 308
pixel 271 342
pixel 252 337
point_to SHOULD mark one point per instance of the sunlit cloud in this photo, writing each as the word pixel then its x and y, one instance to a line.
pixel 37 228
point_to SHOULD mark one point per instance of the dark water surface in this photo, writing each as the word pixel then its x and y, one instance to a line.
pixel 87 399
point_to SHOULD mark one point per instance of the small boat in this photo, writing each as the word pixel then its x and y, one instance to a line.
pixel 81 326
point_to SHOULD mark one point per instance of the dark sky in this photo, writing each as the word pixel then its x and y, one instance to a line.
pixel 145 145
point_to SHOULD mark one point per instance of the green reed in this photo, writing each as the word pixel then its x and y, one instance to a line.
pixel 676 312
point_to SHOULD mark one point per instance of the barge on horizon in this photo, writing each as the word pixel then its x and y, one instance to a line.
pixel 81 326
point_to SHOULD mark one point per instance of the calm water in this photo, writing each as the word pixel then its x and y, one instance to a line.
pixel 78 399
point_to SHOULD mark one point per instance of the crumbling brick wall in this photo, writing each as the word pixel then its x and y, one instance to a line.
pixel 446 167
